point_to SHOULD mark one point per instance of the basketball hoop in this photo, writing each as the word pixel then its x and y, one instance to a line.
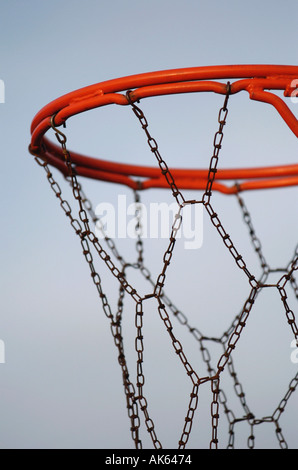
pixel 260 82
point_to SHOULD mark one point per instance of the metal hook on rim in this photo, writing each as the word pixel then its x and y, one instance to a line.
pixel 228 92
pixel 128 97
pixel 59 135
pixel 127 94
pixel 238 189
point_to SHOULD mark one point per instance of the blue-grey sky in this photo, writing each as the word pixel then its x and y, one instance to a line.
pixel 61 386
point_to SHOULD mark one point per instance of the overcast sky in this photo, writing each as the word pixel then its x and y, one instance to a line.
pixel 61 385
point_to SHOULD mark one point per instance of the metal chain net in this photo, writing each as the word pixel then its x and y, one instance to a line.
pixel 136 401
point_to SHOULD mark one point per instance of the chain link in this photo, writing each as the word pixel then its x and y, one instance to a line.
pixel 139 229
pixel 99 226
pixel 214 413
pixel 193 404
pixel 76 188
pixel 283 294
pixel 139 346
pixel 154 149
pixel 177 344
pixel 254 239
pixel 217 144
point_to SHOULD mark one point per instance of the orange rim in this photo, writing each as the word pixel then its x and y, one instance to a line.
pixel 255 79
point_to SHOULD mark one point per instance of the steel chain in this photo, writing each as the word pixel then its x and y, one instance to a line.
pixel 154 149
pixel 139 346
pixel 214 413
pixel 139 229
pixel 217 144
pixel 116 332
pixel 254 239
